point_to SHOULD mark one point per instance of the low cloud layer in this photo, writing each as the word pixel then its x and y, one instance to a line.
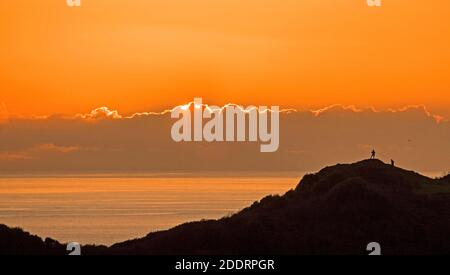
pixel 105 141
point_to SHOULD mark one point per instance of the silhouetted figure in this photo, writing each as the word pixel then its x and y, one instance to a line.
pixel 392 162
pixel 373 154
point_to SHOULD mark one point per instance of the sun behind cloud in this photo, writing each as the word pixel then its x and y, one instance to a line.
pixel 143 55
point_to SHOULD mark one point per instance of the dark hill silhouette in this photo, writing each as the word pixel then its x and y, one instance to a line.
pixel 336 211
pixel 14 241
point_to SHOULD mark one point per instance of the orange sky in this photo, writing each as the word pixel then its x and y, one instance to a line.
pixel 151 54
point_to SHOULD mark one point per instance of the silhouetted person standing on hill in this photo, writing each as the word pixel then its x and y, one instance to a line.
pixel 392 162
pixel 373 154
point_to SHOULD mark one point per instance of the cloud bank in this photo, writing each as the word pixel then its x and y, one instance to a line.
pixel 106 141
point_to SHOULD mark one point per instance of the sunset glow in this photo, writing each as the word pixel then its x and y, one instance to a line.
pixel 138 56
pixel 226 128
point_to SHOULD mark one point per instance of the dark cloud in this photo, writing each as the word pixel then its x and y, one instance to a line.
pixel 105 141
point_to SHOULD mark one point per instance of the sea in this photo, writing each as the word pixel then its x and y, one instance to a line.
pixel 106 209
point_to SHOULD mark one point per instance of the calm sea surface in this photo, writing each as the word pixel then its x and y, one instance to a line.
pixel 105 210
